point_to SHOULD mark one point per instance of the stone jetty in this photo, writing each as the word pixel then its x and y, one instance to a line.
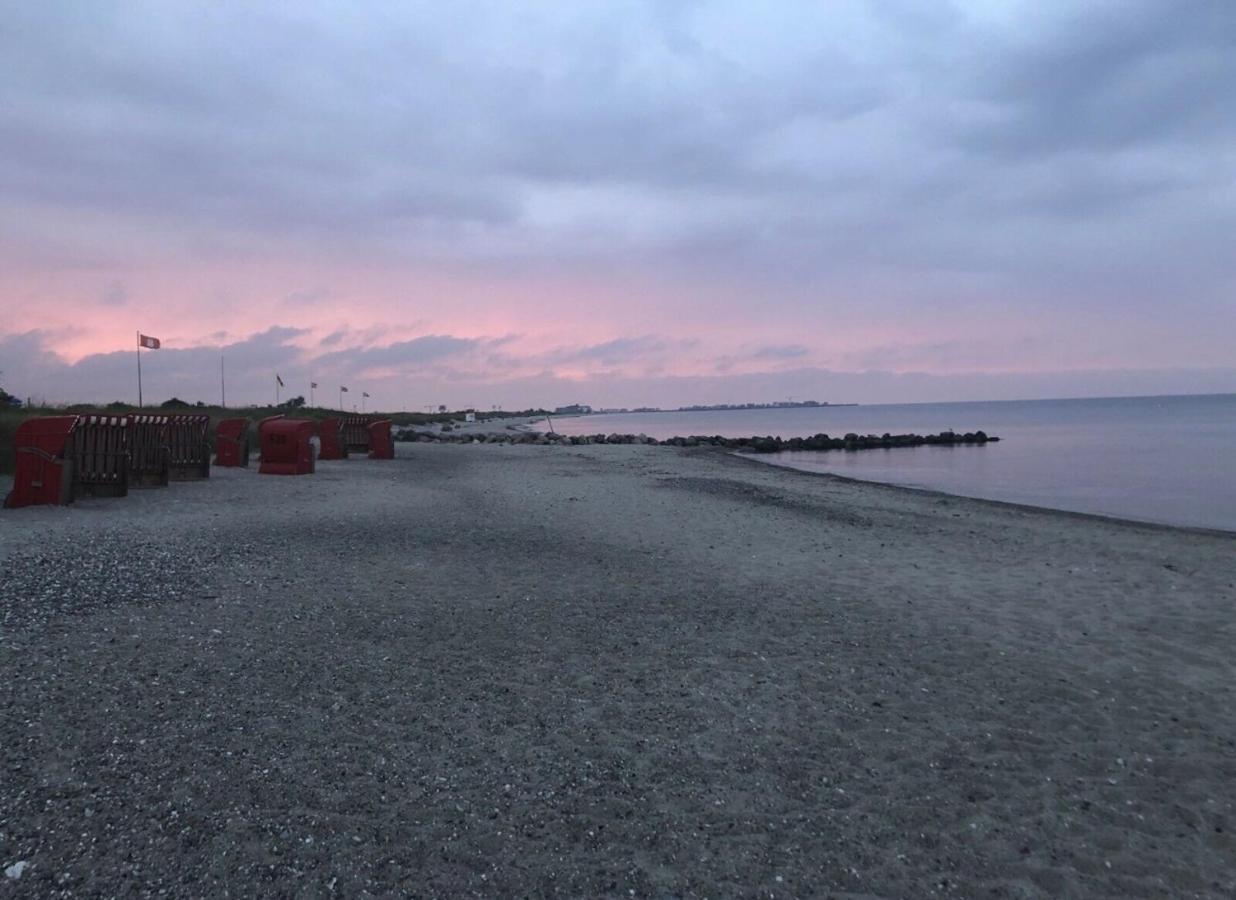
pixel 749 444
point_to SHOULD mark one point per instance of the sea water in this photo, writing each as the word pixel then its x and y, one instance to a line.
pixel 1157 459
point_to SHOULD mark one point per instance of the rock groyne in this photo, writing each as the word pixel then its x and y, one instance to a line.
pixel 755 444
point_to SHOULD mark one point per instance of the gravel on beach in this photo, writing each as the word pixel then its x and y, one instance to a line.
pixel 488 670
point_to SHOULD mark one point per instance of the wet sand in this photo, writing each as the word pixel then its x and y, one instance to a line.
pixel 609 671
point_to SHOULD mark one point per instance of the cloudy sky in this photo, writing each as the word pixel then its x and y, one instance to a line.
pixel 619 203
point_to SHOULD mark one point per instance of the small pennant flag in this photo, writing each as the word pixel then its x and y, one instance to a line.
pixel 314 385
pixel 343 389
pixel 145 340
pixel 363 394
pixel 278 379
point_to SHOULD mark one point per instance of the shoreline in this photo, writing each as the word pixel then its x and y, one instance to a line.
pixel 737 446
pixel 763 460
pixel 1012 504
pixel 520 427
pixel 1153 459
pixel 596 670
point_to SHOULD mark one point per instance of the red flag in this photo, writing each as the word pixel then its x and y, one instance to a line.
pixel 278 379
pixel 343 389
pixel 150 343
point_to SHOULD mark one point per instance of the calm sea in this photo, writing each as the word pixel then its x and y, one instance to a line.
pixel 1157 459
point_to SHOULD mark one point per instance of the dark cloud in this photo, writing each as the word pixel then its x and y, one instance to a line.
pixel 1106 76
pixel 464 372
pixel 402 355
pixel 780 351
pixel 189 373
pixel 776 356
pixel 889 156
pixel 704 129
pixel 615 351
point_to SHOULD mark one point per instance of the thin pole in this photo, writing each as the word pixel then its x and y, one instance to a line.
pixel 341 400
pixel 311 395
pixel 222 384
pixel 139 370
pixel 276 390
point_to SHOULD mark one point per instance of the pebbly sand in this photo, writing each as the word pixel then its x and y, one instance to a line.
pixel 609 671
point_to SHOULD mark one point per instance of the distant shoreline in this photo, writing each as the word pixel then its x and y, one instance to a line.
pixel 759 407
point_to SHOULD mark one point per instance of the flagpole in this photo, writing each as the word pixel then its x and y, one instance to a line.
pixel 276 390
pixel 139 370
pixel 311 395
pixel 222 384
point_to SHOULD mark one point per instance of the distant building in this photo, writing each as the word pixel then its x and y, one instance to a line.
pixel 780 404
pixel 575 409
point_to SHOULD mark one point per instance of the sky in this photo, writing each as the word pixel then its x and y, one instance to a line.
pixel 618 203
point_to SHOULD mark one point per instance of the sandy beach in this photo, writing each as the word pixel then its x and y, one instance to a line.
pixel 492 670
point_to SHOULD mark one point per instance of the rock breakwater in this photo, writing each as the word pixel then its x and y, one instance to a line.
pixel 755 444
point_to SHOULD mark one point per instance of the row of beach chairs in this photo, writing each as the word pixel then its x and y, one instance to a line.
pixel 287 444
pixel 61 458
